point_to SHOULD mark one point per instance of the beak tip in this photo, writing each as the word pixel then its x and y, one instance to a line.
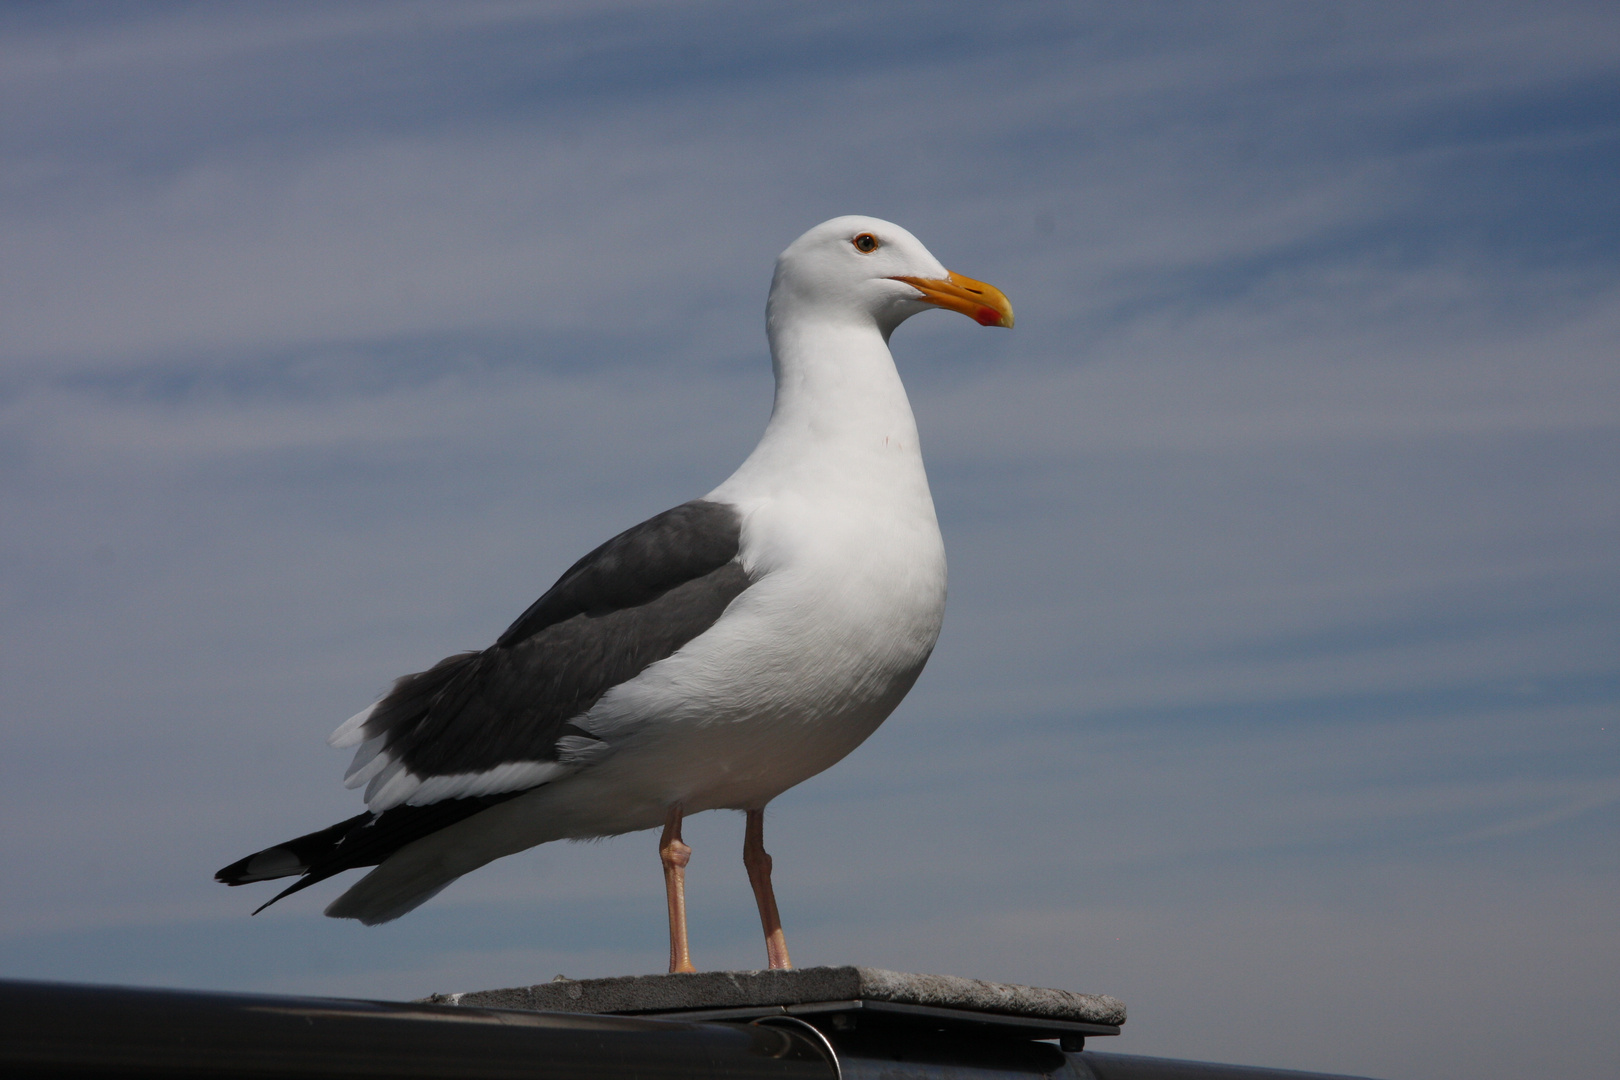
pixel 984 304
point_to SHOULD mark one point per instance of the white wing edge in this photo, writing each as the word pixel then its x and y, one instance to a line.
pixel 394 785
pixel 350 732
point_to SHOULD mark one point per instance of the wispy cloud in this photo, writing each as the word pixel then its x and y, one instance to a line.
pixel 1282 529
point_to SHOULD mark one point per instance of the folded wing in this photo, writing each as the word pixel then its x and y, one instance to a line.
pixel 478 728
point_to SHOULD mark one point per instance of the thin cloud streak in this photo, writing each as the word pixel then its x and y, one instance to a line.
pixel 1278 674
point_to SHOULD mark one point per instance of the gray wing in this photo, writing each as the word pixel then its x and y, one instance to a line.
pixel 630 603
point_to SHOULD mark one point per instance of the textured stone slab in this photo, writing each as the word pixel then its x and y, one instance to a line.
pixel 708 990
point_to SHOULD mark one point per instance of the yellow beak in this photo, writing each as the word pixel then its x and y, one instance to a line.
pixel 985 304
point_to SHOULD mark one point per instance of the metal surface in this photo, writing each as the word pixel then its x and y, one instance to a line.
pixel 1092 1065
pixel 51 1030
pixel 890 1013
pixel 901 1054
pixel 811 1032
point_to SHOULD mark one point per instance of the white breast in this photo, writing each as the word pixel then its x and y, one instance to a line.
pixel 840 535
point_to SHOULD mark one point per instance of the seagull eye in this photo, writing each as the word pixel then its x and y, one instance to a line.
pixel 865 243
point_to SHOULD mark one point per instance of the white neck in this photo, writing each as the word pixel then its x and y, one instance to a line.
pixel 841 425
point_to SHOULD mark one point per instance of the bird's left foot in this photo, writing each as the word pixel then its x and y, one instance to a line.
pixel 758 863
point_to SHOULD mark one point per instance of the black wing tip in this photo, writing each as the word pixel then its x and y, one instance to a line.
pixel 267 865
pixel 289 857
pixel 236 873
pixel 363 840
pixel 302 883
pixel 240 873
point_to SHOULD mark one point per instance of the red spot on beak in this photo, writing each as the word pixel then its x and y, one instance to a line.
pixel 987 317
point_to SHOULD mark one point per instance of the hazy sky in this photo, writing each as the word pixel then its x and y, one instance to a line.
pixel 1278 691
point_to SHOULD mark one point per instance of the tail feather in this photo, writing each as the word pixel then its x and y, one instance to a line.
pixel 291 857
pixel 381 897
pixel 363 840
pixel 416 873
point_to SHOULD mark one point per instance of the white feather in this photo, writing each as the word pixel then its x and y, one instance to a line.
pixel 351 731
pixel 582 750
pixel 369 760
pixel 513 776
pixel 391 787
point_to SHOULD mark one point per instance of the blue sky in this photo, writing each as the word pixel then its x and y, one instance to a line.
pixel 1278 691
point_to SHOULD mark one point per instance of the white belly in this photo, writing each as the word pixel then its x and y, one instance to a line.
pixel 802 667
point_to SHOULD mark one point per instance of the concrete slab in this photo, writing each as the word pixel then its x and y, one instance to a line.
pixel 710 991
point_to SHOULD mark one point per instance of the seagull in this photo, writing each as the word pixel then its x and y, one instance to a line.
pixel 709 658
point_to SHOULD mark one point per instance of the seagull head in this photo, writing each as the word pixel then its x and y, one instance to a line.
pixel 865 268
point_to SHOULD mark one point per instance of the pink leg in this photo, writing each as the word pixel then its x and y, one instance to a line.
pixel 675 855
pixel 759 876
